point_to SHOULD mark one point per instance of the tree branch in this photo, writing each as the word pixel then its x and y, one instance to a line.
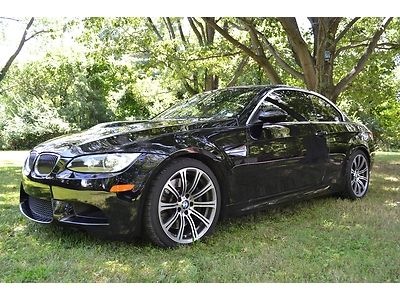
pixel 386 46
pixel 181 32
pixel 314 27
pixel 8 88
pixel 10 19
pixel 346 29
pixel 239 71
pixel 15 54
pixel 300 48
pixel 237 26
pixel 154 28
pixel 342 84
pixel 211 56
pixel 254 38
pixel 203 32
pixel 192 91
pixel 37 33
pixel 232 40
pixel 285 66
pixel 171 31
pixel 196 31
pixel 263 61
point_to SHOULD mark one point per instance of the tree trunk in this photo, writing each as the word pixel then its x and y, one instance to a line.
pixel 210 80
pixel 325 48
pixel 301 49
pixel 317 68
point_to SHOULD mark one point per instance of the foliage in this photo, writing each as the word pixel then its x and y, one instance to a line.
pixel 181 61
pixel 133 68
pixel 31 124
pixel 30 31
pixel 370 97
pixel 59 95
pixel 373 100
pixel 131 103
pixel 312 58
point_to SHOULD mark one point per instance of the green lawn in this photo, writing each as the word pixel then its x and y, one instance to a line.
pixel 322 240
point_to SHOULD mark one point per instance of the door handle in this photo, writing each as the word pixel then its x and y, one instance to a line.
pixel 321 133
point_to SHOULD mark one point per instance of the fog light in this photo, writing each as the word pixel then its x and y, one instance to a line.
pixel 62 208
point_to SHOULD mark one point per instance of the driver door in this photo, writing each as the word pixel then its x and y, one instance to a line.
pixel 282 155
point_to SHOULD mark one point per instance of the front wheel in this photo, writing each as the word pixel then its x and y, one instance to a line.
pixel 357 175
pixel 183 203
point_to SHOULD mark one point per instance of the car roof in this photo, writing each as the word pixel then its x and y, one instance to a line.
pixel 258 87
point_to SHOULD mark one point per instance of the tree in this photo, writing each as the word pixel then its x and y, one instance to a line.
pixel 312 59
pixel 182 52
pixel 129 68
pixel 25 37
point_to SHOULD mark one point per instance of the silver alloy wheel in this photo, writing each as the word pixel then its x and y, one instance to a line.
pixel 359 175
pixel 187 205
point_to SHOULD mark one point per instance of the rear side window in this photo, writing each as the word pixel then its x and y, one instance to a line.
pixel 306 107
pixel 297 104
pixel 323 111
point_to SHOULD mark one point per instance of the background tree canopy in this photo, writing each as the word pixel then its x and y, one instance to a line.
pixel 92 70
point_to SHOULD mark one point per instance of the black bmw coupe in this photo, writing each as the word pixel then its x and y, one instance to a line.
pixel 220 153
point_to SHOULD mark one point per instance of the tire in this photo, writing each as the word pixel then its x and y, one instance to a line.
pixel 356 176
pixel 178 211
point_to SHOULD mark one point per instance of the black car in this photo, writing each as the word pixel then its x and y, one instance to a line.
pixel 220 153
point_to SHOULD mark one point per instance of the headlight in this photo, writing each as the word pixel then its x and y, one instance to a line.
pixel 28 165
pixel 102 163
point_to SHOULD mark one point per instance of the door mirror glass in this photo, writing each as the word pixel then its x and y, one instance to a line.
pixel 273 116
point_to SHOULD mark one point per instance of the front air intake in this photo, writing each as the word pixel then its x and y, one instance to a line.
pixel 42 210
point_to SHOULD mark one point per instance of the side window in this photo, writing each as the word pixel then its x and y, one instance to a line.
pixel 323 111
pixel 295 103
pixel 306 107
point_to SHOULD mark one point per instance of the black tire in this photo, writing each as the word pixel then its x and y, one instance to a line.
pixel 353 190
pixel 153 218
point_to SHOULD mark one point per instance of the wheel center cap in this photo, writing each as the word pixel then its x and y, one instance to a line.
pixel 185 204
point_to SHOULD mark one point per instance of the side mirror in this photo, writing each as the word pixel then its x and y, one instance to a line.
pixel 273 116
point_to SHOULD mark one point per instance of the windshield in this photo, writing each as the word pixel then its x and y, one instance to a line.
pixel 217 104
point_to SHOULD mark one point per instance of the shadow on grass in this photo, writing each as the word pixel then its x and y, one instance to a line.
pixel 9 178
pixel 251 244
pixel 379 184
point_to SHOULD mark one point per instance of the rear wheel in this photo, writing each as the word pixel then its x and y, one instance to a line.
pixel 183 203
pixel 357 175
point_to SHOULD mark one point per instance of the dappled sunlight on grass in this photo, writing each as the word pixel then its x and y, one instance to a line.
pixel 8 196
pixel 392 178
pixel 9 163
pixel 116 266
pixel 9 186
pixel 391 189
pixel 325 239
pixel 392 204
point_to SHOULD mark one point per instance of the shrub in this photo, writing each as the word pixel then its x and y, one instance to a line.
pixel 31 124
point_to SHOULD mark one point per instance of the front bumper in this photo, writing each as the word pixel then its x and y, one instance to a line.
pixel 112 214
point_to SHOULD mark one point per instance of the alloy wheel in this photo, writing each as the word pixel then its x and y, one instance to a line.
pixel 359 175
pixel 187 205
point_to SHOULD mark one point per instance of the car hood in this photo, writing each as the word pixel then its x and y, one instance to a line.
pixel 123 136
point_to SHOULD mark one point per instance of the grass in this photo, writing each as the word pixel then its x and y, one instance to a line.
pixel 321 240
